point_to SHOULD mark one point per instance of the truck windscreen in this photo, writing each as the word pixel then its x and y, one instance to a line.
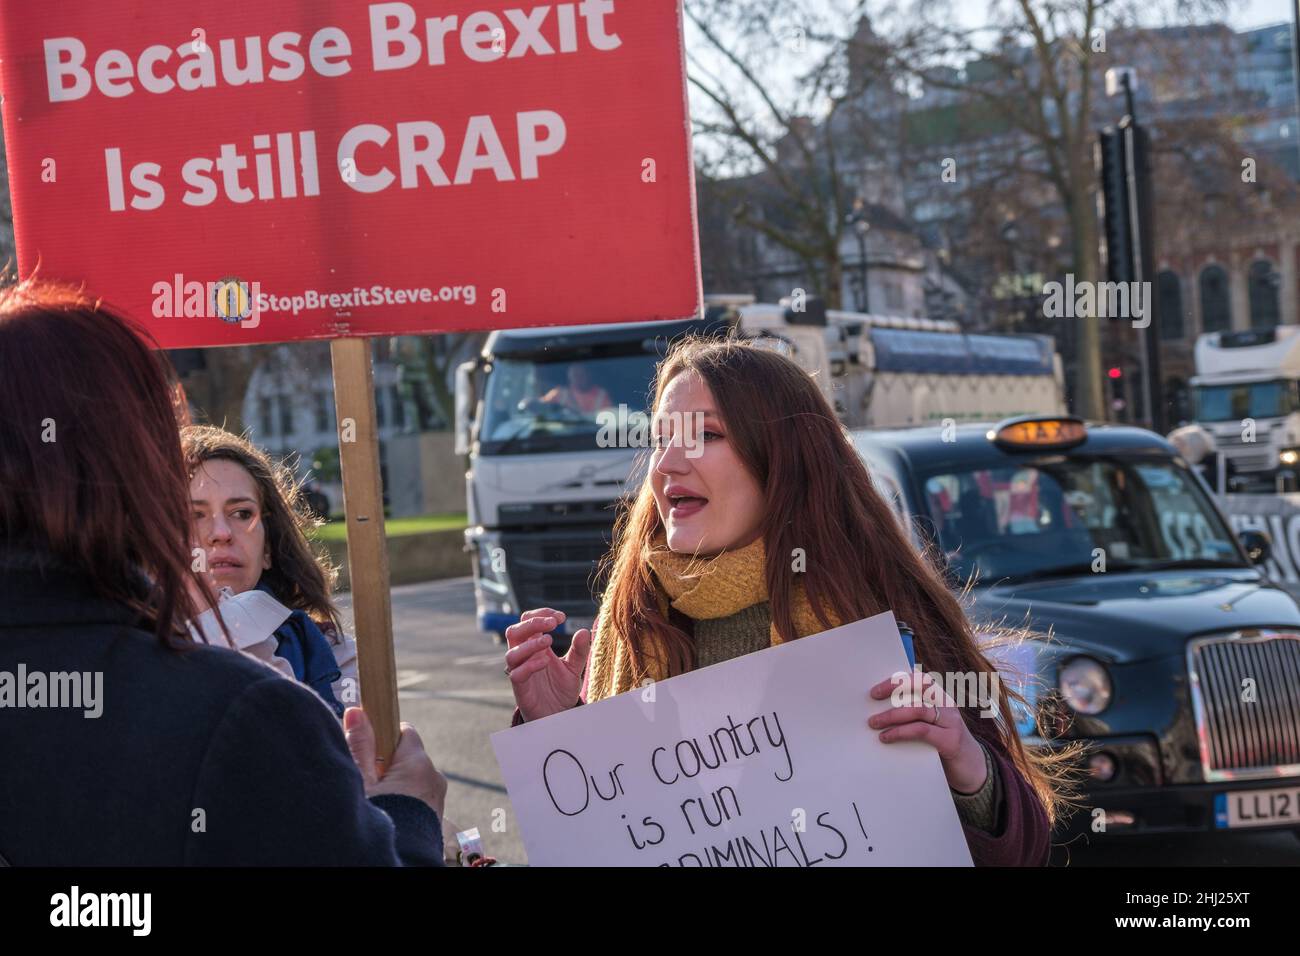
pixel 1075 515
pixel 1223 403
pixel 554 403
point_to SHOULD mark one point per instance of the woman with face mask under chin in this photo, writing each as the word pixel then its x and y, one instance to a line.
pixel 700 574
pixel 250 531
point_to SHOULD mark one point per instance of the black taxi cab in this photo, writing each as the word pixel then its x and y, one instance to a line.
pixel 1163 648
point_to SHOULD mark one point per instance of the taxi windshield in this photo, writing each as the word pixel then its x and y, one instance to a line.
pixel 1075 515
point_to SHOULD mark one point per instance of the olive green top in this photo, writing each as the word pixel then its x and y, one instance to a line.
pixel 723 638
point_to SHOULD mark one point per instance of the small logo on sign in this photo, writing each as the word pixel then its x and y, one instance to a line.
pixel 231 300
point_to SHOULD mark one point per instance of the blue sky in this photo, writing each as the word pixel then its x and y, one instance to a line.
pixel 1241 14
pixel 1258 13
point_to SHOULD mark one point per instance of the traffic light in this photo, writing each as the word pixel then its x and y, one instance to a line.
pixel 1128 220
pixel 1117 390
pixel 1116 216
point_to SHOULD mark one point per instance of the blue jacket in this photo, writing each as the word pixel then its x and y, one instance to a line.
pixel 302 643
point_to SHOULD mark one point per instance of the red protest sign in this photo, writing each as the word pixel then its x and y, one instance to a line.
pixel 235 172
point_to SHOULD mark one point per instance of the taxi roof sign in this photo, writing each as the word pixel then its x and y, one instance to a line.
pixel 1039 432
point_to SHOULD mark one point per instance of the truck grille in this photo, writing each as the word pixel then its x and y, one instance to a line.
pixel 1250 461
pixel 1241 739
pixel 557 569
pixel 1254 455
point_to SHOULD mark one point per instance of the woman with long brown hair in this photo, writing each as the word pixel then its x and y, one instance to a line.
pixel 251 527
pixel 702 572
pixel 163 752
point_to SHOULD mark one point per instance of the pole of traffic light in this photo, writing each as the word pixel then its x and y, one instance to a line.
pixel 1142 244
pixel 1295 53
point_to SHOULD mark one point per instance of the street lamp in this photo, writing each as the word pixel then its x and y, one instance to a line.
pixel 1123 79
pixel 857 218
pixel 1025 304
pixel 1010 234
pixel 943 257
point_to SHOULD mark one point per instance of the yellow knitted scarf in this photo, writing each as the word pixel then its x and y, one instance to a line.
pixel 702 589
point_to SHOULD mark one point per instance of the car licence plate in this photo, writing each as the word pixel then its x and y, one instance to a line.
pixel 1257 808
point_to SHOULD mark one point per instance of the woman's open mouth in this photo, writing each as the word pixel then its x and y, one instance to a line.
pixel 684 506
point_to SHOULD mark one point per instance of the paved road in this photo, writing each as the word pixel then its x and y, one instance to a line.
pixel 451 687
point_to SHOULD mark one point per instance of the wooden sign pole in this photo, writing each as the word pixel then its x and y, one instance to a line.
pixel 363 504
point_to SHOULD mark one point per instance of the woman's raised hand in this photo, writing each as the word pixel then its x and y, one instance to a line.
pixel 544 684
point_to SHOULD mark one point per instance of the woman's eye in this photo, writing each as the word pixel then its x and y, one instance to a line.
pixel 243 514
pixel 663 441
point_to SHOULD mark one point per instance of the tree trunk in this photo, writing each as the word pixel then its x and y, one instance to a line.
pixel 834 281
pixel 219 390
pixel 437 357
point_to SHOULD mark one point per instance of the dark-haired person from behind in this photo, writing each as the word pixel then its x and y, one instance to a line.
pixel 133 745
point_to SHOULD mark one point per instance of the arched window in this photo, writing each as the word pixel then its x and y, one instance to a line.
pixel 1169 295
pixel 1264 310
pixel 1216 308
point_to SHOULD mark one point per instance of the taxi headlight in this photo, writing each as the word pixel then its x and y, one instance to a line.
pixel 1085 685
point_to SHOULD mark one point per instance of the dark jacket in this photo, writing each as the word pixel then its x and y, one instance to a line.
pixel 198 757
pixel 1023 835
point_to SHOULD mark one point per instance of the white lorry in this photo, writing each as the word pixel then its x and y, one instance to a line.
pixel 1247 390
pixel 534 413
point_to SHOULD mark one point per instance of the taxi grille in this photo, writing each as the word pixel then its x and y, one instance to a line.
pixel 1244 732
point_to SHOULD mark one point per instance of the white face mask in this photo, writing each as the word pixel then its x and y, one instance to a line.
pixel 250 618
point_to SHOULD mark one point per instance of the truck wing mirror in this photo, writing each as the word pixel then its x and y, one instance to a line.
pixel 465 402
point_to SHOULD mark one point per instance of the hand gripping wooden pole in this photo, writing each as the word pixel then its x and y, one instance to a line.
pixel 363 504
